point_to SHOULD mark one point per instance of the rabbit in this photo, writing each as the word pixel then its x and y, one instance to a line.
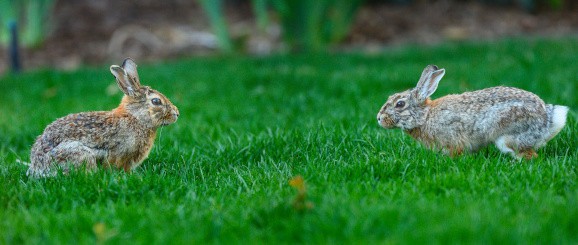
pixel 518 122
pixel 122 138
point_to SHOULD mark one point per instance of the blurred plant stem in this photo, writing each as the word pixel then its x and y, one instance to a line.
pixel 31 16
pixel 14 49
pixel 306 25
pixel 260 10
pixel 214 10
pixel 37 12
pixel 313 25
pixel 7 15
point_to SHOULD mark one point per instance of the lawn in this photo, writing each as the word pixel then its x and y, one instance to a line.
pixel 249 125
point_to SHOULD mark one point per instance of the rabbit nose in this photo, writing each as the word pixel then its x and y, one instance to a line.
pixel 175 111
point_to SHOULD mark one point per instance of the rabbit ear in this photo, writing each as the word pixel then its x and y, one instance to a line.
pixel 426 71
pixel 130 67
pixel 125 83
pixel 428 83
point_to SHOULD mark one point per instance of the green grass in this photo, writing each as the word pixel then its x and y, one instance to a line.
pixel 249 125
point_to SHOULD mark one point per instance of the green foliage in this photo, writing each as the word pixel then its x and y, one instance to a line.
pixel 261 15
pixel 530 5
pixel 214 10
pixel 306 25
pixel 7 14
pixel 31 16
pixel 312 25
pixel 554 4
pixel 228 170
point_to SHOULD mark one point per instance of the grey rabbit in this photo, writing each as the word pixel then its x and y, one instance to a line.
pixel 518 122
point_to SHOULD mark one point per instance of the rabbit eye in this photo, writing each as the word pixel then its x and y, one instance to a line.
pixel 400 104
pixel 156 101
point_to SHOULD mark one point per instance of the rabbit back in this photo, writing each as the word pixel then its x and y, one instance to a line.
pixel 474 119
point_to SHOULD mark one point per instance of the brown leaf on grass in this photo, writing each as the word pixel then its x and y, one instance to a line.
pixel 298 183
pixel 300 202
pixel 103 233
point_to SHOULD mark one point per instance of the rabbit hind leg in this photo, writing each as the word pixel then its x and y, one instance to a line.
pixel 528 141
pixel 504 144
pixel 518 146
pixel 77 153
pixel 527 153
pixel 40 166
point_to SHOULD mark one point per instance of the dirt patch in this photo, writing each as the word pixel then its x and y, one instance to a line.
pixel 95 32
pixel 443 20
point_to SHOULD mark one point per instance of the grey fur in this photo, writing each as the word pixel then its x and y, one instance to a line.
pixel 122 137
pixel 517 121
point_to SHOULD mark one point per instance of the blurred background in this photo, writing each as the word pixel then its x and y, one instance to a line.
pixel 66 34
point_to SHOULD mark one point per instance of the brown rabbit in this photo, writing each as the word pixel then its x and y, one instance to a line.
pixel 517 121
pixel 122 137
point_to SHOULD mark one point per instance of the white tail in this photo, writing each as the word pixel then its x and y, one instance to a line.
pixel 558 116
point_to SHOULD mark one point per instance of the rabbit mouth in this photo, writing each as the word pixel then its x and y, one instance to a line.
pixel 165 124
pixel 167 121
pixel 387 123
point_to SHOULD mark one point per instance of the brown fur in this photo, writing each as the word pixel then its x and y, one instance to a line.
pixel 122 137
pixel 528 154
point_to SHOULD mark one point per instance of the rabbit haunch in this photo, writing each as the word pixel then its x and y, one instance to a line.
pixel 517 121
pixel 122 137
